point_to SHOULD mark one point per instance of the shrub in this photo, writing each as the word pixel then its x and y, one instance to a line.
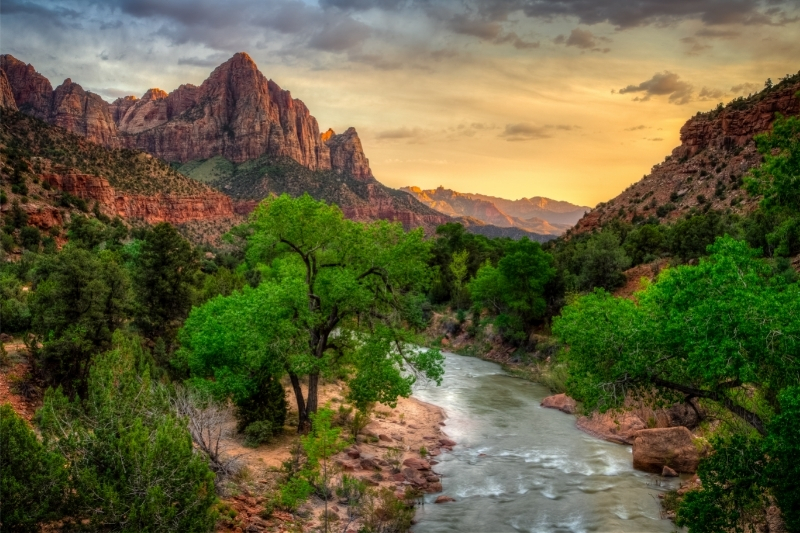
pixel 32 478
pixel 259 433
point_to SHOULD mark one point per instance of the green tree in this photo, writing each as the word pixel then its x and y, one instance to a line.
pixel 78 300
pixel 712 331
pixel 164 275
pixel 131 462
pixel 602 261
pixel 33 480
pixel 328 286
pixel 514 290
pixel 458 268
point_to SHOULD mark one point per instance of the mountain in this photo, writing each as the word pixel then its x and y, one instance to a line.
pixel 238 132
pixel 536 214
pixel 707 169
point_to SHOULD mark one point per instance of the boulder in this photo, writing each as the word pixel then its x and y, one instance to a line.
pixel 417 464
pixel 562 402
pixel 384 437
pixel 683 414
pixel 614 427
pixel 447 442
pixel 668 472
pixel 444 499
pixel 353 453
pixel 433 487
pixel 653 449
pixel 413 476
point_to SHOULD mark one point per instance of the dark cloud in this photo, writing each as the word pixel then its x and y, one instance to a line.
pixel 655 139
pixel 634 128
pixel 340 35
pixel 631 13
pixel 517 42
pixel 662 84
pixel 524 132
pixel 481 29
pixel 695 45
pixel 212 60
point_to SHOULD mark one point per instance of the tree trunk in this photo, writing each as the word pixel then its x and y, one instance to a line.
pixel 302 410
pixel 313 386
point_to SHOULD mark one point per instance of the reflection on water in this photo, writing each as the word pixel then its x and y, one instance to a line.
pixel 519 467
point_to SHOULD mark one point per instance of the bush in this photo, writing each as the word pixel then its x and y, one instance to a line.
pixel 259 433
pixel 131 460
pixel 32 478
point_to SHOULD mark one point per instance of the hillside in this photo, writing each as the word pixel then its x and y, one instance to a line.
pixel 706 171
pixel 50 173
pixel 536 214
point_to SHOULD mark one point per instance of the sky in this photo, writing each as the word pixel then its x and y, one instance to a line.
pixel 569 99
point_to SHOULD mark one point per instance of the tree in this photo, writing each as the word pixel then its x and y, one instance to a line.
pixel 131 462
pixel 458 268
pixel 602 261
pixel 33 479
pixel 712 331
pixel 514 290
pixel 164 274
pixel 329 287
pixel 78 300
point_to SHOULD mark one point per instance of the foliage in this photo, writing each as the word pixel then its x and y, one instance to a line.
pixel 33 479
pixel 513 291
pixel 79 299
pixel 384 512
pixel 704 331
pixel 131 462
pixel 15 314
pixel 164 274
pixel 334 295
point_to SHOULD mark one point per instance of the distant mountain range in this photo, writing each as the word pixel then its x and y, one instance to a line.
pixel 536 214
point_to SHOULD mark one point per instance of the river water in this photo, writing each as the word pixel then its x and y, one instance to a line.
pixel 521 468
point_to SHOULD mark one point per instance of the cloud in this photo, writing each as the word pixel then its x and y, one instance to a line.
pixel 639 127
pixel 655 139
pixel 481 29
pixel 518 42
pixel 562 127
pixel 340 35
pixel 626 14
pixel 412 135
pixel 748 88
pixel 662 84
pixel 524 131
pixel 212 60
pixel 707 93
pixel 696 46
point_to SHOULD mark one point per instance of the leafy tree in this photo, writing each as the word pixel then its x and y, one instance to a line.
pixel 514 290
pixel 328 286
pixel 458 268
pixel 645 243
pixel 33 480
pixel 690 237
pixel 710 331
pixel 602 261
pixel 164 275
pixel 15 315
pixel 131 462
pixel 78 300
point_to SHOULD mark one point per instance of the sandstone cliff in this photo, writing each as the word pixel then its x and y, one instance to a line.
pixel 717 150
pixel 6 95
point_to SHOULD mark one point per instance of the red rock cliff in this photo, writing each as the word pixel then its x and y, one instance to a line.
pixel 151 209
pixel 6 95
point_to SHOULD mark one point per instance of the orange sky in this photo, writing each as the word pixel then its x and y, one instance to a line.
pixel 507 98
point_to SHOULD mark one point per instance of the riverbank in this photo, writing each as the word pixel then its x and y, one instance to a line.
pixel 396 450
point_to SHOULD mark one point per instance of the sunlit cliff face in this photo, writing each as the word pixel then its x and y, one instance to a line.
pixel 573 100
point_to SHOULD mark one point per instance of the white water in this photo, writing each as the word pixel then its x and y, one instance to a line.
pixel 521 468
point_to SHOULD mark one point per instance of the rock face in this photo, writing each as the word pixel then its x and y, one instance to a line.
pixel 32 91
pixel 562 402
pixel 653 449
pixel 151 209
pixel 6 95
pixel 236 113
pixel 716 151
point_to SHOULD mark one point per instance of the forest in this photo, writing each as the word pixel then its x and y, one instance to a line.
pixel 136 339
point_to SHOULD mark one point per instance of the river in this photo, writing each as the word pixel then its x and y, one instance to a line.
pixel 521 468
